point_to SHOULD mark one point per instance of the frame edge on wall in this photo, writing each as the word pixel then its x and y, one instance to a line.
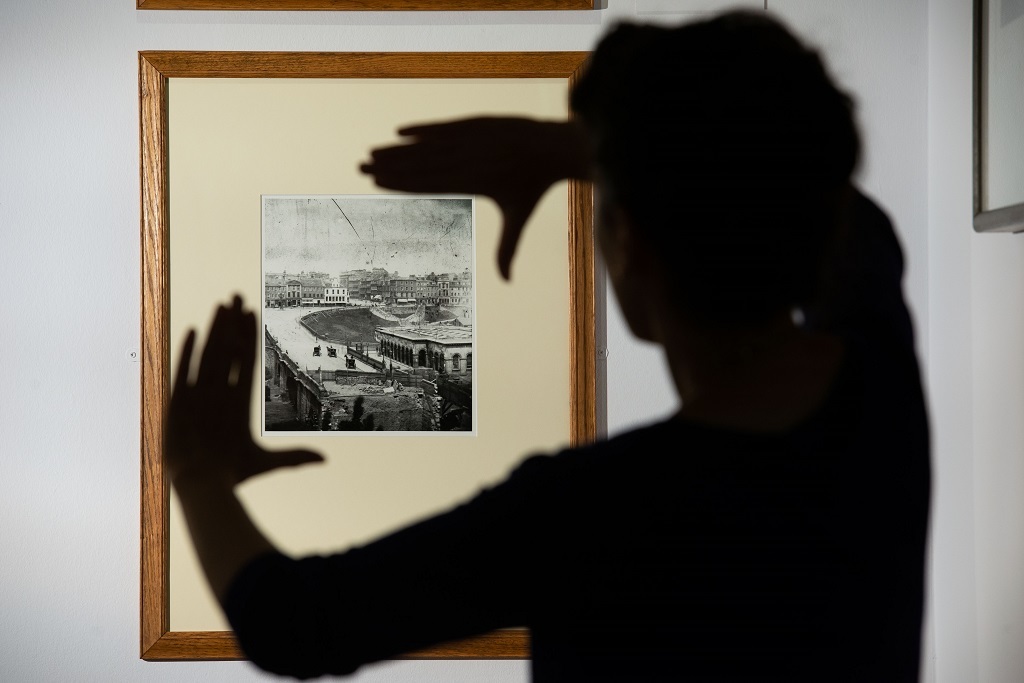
pixel 1007 218
pixel 367 5
pixel 157 641
pixel 154 615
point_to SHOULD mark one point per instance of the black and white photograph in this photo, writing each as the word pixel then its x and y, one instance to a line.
pixel 368 310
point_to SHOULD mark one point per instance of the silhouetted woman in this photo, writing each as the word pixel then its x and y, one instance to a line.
pixel 773 529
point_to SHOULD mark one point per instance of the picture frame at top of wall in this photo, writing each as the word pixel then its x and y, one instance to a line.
pixel 220 132
pixel 367 5
pixel 998 100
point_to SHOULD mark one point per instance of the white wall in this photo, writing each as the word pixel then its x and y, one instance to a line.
pixel 69 401
pixel 952 594
pixel 976 371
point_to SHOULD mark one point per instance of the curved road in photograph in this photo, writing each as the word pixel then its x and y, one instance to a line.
pixel 298 342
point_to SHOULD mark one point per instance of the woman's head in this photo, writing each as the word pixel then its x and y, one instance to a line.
pixel 729 149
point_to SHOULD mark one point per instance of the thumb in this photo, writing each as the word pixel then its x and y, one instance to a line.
pixel 295 458
pixel 272 460
pixel 511 230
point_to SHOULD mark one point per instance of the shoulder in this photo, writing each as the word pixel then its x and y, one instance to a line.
pixel 606 455
pixel 622 476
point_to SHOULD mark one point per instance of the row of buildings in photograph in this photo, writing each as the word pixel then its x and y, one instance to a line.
pixel 367 286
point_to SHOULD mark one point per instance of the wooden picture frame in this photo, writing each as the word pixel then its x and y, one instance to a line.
pixel 989 98
pixel 367 5
pixel 156 68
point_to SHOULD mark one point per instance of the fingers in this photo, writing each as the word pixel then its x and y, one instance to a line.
pixel 267 461
pixel 454 128
pixel 430 130
pixel 450 156
pixel 215 361
pixel 422 167
pixel 176 406
pixel 229 353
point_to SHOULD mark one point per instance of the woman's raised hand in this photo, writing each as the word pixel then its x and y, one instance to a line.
pixel 511 160
pixel 208 434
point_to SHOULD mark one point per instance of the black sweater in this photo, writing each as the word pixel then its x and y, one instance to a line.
pixel 675 552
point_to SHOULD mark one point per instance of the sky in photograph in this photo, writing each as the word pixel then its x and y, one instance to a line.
pixel 335 233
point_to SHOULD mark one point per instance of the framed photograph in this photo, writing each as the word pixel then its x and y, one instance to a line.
pixel 366 5
pixel 391 345
pixel 998 102
pixel 368 310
